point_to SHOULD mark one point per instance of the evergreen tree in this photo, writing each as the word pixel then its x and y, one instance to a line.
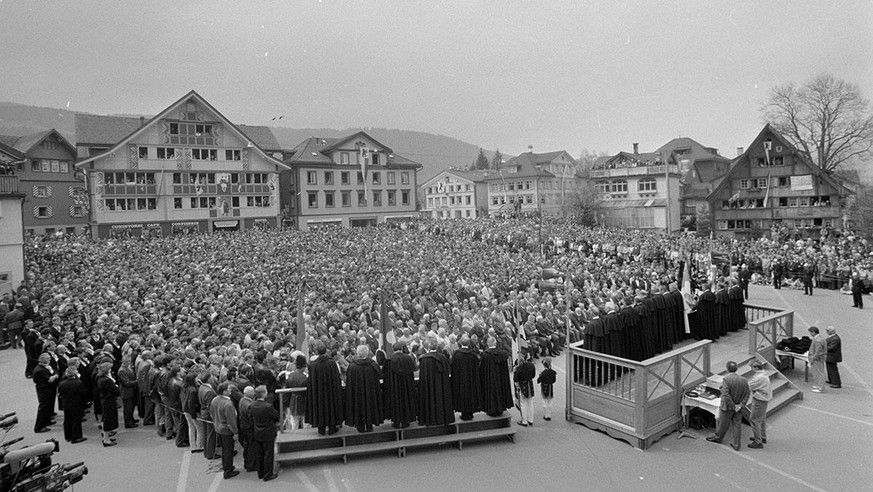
pixel 496 160
pixel 481 160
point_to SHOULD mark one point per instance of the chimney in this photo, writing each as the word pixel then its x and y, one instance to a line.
pixel 636 148
pixel 739 151
pixel 142 121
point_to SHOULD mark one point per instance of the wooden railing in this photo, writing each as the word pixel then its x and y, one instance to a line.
pixel 768 325
pixel 9 184
pixel 635 401
pixel 279 393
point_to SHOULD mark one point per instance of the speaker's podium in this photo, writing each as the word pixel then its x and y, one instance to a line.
pixel 307 445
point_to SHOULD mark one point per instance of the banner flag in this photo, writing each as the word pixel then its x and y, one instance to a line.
pixel 302 337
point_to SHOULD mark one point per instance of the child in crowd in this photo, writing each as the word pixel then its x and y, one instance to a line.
pixel 546 379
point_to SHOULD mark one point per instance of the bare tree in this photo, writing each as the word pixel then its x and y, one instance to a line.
pixel 827 118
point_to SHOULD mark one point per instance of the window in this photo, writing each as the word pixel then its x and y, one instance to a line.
pixel 344 178
pixel 404 178
pixel 312 199
pixel 404 197
pixel 619 186
pixel 177 203
pixel 77 211
pixel 391 178
pixel 42 212
pixel 166 153
pixel 362 201
pixel 377 198
pixel 377 176
pixel 234 202
pixel 49 144
pixel 745 184
pixel 792 201
pixel 647 185
pixel 49 166
pixel 42 191
pixel 430 202
pixel 783 180
pixel 762 183
pixel 328 177
pixel 232 155
pixel 469 200
pixel 344 157
pixel 494 201
pixel 329 199
pixel 375 158
pixel 204 154
pixel 346 198
pixel 360 178
pixel 783 202
pixel 143 152
pixel 70 230
pixel 392 198
pixel 192 134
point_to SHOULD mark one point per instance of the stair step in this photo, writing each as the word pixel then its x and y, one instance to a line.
pixel 782 399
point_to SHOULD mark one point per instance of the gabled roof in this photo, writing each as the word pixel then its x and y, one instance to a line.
pixel 476 176
pixel 696 149
pixel 197 97
pixel 337 143
pixel 26 143
pixel 9 150
pixel 261 136
pixel 92 129
pixel 316 150
pixel 525 169
pixel 744 160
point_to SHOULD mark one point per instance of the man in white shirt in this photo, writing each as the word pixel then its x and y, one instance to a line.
pixel 759 384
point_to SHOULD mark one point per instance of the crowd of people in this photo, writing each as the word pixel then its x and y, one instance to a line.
pixel 172 329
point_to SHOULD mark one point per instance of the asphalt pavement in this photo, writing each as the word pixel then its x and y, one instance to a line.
pixel 822 443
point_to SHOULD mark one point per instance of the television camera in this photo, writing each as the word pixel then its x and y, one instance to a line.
pixel 30 468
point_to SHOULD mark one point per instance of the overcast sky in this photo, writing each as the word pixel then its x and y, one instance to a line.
pixel 498 74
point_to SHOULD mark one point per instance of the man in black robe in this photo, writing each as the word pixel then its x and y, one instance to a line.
pixel 400 403
pixel 363 391
pixel 633 337
pixel 466 389
pixel 707 317
pixel 723 309
pixel 494 379
pixel 434 387
pixel 324 409
pixel 738 311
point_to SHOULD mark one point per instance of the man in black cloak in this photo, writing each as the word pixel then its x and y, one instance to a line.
pixel 707 317
pixel 494 379
pixel 434 387
pixel 400 402
pixel 324 408
pixel 363 391
pixel 466 389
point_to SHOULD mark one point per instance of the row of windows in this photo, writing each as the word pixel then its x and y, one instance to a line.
pixel 166 153
pixel 785 201
pixel 759 224
pixel 645 185
pixel 212 202
pixel 459 214
pixel 129 178
pixel 210 178
pixel 113 204
pixel 49 166
pixel 346 198
pixel 446 201
pixel 442 188
pixel 502 200
pixel 345 178
pixel 47 212
pixel 511 186
pixel 344 158
pixel 762 183
pixel 192 134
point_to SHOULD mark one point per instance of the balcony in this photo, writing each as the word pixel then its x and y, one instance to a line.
pixel 9 185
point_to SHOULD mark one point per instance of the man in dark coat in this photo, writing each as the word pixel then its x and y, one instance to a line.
pixel 778 271
pixel 146 405
pixel 75 396
pixel 735 393
pixel 494 378
pixel 30 350
pixel 707 317
pixel 324 406
pixel 434 387
pixel 857 292
pixel 808 275
pixel 745 276
pixel 833 357
pixel 109 394
pixel 45 379
pixel 205 394
pixel 363 391
pixel 400 402
pixel 723 310
pixel 265 421
pixel 129 389
pixel 466 389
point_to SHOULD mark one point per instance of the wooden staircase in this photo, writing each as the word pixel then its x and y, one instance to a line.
pixel 784 391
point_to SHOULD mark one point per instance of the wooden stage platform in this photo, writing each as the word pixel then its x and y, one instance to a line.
pixel 307 444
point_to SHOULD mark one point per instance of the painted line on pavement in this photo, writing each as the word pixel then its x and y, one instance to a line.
pixel 328 475
pixel 305 481
pixel 216 482
pixel 183 472
pixel 832 414
pixel 846 366
pixel 776 470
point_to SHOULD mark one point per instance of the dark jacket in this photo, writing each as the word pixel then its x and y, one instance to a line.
pixel 265 420
pixel 835 349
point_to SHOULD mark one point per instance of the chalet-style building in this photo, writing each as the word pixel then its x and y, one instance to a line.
pixel 11 226
pixel 774 186
pixel 186 170
pixel 354 181
pixel 55 197
pixel 701 167
pixel 638 190
pixel 456 194
pixel 547 183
